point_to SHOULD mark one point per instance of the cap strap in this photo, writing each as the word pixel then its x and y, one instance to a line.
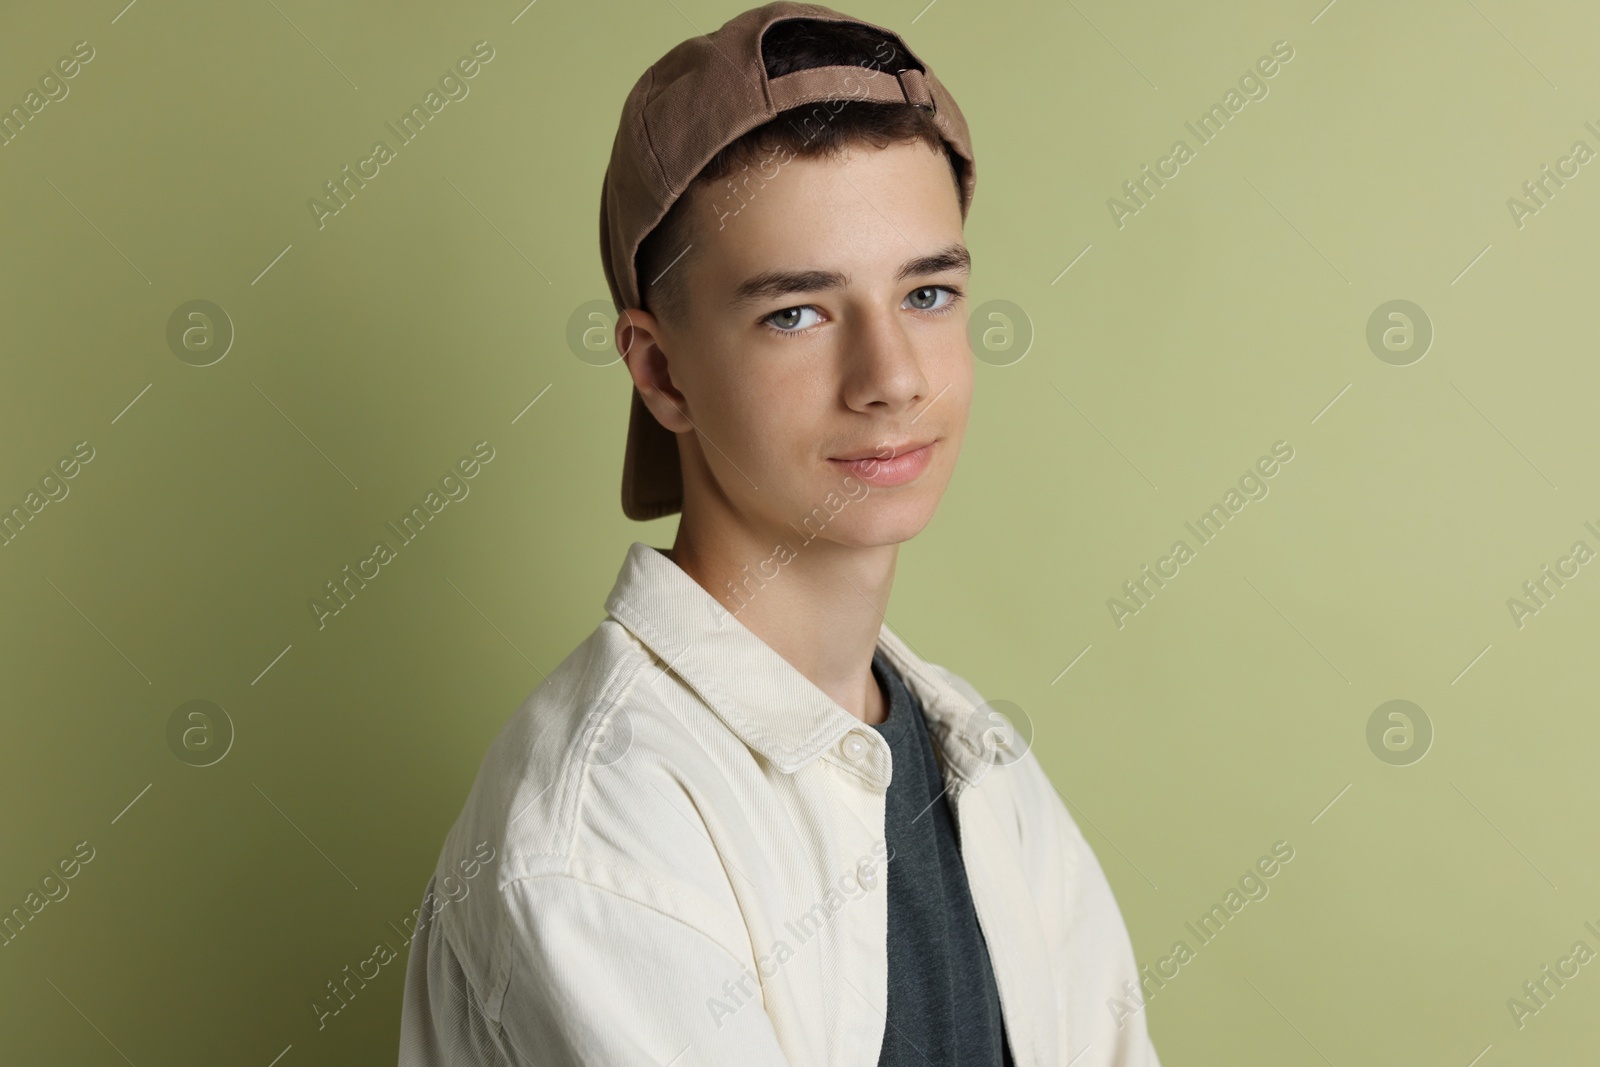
pixel 850 83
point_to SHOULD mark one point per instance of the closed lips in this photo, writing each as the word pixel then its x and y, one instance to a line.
pixel 877 453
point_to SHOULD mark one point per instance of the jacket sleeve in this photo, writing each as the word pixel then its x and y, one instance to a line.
pixel 595 976
pixel 442 1021
pixel 600 975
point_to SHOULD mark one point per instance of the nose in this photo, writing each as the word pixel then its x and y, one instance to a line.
pixel 882 364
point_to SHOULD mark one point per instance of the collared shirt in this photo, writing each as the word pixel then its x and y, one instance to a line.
pixel 943 1004
pixel 688 865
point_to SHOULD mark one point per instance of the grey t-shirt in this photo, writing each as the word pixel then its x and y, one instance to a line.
pixel 944 1007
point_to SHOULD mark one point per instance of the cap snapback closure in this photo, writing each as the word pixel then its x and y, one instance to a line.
pixel 915 87
pixel 815 84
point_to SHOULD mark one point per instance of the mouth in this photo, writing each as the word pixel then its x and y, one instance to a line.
pixel 876 452
pixel 906 462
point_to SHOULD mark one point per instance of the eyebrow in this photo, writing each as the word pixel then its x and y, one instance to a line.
pixel 775 283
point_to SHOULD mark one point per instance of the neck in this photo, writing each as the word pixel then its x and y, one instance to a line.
pixel 819 604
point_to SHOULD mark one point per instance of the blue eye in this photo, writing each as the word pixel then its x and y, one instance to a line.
pixel 791 322
pixel 784 321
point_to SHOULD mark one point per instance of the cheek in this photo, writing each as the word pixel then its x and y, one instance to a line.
pixel 784 387
pixel 959 373
pixel 770 418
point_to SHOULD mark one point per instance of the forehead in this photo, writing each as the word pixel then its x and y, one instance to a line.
pixel 863 213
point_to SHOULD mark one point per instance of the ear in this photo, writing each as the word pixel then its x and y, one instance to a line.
pixel 639 339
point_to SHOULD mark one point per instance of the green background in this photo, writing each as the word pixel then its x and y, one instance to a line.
pixel 370 354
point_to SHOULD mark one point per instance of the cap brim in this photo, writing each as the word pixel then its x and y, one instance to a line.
pixel 652 481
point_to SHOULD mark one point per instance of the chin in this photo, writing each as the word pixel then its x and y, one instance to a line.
pixel 875 520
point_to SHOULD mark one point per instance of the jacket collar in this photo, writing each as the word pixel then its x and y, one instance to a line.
pixel 761 697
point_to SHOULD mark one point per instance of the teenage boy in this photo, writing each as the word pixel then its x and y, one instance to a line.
pixel 745 823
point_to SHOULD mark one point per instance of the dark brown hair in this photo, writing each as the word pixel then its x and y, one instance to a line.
pixel 807 132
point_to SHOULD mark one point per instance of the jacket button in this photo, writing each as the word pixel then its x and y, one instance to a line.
pixel 867 874
pixel 854 746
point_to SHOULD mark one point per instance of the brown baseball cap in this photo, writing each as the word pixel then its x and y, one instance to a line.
pixel 705 93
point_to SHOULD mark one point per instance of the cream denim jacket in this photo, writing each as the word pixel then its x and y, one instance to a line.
pixel 688 865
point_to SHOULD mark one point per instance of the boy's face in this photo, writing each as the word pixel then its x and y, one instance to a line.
pixel 826 321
